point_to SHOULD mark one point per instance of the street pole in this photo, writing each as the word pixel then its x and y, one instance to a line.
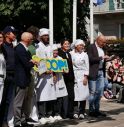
pixel 91 23
pixel 51 21
pixel 74 20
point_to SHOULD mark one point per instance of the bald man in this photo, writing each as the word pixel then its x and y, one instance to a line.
pixel 96 75
pixel 24 63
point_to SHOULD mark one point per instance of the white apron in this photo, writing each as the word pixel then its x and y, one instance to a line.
pixel 2 73
pixel 61 90
pixel 81 91
pixel 45 87
pixel 60 86
pixel 81 68
pixel 1 88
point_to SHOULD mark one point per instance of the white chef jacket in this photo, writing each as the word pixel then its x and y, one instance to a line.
pixel 2 73
pixel 45 86
pixel 81 67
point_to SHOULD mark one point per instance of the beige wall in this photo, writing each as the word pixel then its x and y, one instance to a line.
pixel 108 24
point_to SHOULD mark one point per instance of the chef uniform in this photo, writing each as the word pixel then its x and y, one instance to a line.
pixel 45 87
pixel 81 68
pixel 2 74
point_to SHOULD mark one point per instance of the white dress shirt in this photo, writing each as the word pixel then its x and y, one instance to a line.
pixel 101 54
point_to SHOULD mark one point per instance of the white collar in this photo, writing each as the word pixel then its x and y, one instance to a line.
pixel 97 45
pixel 24 46
pixel 42 44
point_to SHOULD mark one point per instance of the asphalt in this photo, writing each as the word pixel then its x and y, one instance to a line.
pixel 115 117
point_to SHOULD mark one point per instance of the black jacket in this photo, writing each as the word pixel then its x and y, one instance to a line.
pixel 94 60
pixel 9 54
pixel 23 66
pixel 68 77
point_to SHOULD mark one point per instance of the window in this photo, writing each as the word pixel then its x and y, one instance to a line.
pixel 119 4
pixel 121 31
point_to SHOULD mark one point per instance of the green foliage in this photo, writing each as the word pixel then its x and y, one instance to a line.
pixel 83 12
pixel 13 8
pixel 6 7
pixel 64 18
pixel 35 12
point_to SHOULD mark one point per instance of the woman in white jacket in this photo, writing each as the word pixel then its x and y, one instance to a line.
pixel 2 68
pixel 81 71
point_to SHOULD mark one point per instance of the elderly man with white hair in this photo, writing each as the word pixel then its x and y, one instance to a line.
pixel 80 62
pixel 45 87
pixel 23 65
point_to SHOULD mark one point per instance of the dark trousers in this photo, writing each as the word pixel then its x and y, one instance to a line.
pixel 41 109
pixel 79 107
pixel 7 97
pixel 61 106
pixel 70 100
pixel 46 108
pixel 50 108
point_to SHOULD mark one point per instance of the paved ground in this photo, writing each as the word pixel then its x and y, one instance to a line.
pixel 115 118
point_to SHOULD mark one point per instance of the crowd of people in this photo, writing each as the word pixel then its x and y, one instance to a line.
pixel 115 78
pixel 28 98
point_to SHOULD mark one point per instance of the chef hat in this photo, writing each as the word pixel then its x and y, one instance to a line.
pixel 54 47
pixel 78 42
pixel 43 31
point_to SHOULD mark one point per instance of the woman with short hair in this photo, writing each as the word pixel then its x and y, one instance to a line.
pixel 68 77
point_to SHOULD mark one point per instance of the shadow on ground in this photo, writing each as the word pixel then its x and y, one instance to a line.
pixel 115 111
pixel 109 113
pixel 65 123
pixel 62 123
pixel 111 110
pixel 94 120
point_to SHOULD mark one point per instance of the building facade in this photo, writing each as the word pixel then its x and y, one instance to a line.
pixel 109 19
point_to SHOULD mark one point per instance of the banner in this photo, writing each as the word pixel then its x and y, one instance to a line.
pixel 52 64
pixel 57 65
pixel 41 68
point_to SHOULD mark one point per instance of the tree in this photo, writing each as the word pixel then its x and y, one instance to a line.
pixel 63 18
pixel 24 13
pixel 83 12
pixel 63 13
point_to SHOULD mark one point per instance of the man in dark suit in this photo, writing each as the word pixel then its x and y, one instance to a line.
pixel 96 75
pixel 24 63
